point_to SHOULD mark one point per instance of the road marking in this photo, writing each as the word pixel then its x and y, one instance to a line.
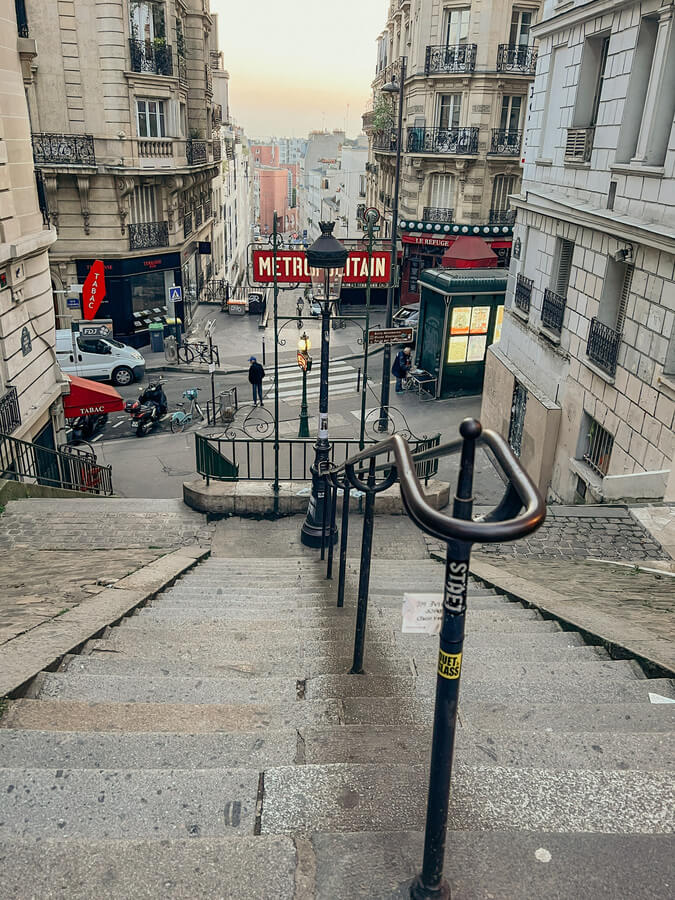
pixel 97 438
pixel 117 424
pixel 657 698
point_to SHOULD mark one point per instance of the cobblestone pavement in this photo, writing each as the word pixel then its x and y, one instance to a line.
pixel 579 533
pixel 54 554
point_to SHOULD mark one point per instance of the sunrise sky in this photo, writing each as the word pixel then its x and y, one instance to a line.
pixel 296 66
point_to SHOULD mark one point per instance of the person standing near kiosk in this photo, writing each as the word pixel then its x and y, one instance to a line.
pixel 401 368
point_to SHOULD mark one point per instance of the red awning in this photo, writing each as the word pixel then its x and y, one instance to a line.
pixel 89 397
pixel 469 253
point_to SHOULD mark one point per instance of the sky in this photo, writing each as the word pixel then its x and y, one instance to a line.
pixel 299 65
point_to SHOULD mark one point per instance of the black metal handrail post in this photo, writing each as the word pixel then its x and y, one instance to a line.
pixel 332 493
pixel 364 573
pixel 430 883
pixel 324 516
pixel 344 537
pixel 275 486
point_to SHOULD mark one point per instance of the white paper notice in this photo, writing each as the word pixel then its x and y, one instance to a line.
pixel 422 613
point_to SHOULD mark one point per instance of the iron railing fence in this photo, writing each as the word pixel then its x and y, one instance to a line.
pixel 523 293
pixel 68 468
pixel 502 217
pixel 385 140
pixel 603 346
pixel 437 214
pixel 66 149
pixel 450 60
pixel 10 412
pixel 187 224
pixel 151 56
pixel 553 310
pixel 196 152
pixel 516 58
pixel 598 449
pixel 505 142
pixel 144 235
pixel 442 140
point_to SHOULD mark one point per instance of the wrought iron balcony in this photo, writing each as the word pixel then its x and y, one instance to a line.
pixel 209 79
pixel 517 59
pixel 437 214
pixel 502 216
pixel 21 18
pixel 187 225
pixel 553 311
pixel 151 56
pixel 523 293
pixel 442 140
pixel 10 414
pixel 42 196
pixel 217 150
pixel 385 140
pixel 196 152
pixel 505 142
pixel 445 60
pixel 199 216
pixel 579 144
pixel 66 149
pixel 603 346
pixel 143 235
pixel 207 209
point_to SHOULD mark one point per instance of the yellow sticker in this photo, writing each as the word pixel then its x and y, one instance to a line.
pixel 449 664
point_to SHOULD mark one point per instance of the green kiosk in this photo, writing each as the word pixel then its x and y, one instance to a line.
pixel 461 312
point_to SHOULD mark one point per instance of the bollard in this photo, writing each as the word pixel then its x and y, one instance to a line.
pixel 358 381
pixel 263 349
pixel 430 883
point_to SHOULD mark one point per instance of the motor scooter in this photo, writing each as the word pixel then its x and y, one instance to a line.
pixel 83 428
pixel 148 409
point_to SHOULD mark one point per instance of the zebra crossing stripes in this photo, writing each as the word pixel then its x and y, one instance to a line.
pixel 342 379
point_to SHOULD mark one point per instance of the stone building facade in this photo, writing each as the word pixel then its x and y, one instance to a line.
pixel 237 210
pixel 31 384
pixel 468 67
pixel 122 113
pixel 583 379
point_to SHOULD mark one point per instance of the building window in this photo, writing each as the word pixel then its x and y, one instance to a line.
pixel 669 365
pixel 597 445
pixel 509 119
pixel 517 423
pixel 502 186
pixel 143 204
pixel 147 21
pixel 150 118
pixel 521 22
pixel 591 80
pixel 550 138
pixel 456 28
pixel 449 109
pixel 442 192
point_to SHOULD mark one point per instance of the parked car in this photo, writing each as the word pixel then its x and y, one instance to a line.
pixel 98 358
pixel 314 307
pixel 408 317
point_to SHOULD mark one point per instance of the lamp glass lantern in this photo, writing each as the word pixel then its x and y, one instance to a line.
pixel 326 259
pixel 304 344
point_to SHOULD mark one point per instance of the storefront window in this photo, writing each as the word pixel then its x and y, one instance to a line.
pixel 148 299
pixel 498 324
pixel 468 334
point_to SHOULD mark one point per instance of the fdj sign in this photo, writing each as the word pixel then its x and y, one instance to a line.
pixel 292 267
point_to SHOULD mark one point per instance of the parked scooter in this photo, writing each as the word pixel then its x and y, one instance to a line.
pixel 148 409
pixel 83 428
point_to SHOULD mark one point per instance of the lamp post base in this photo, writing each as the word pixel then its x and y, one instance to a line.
pixel 318 519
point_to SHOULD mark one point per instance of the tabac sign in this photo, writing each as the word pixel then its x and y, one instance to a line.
pixel 292 267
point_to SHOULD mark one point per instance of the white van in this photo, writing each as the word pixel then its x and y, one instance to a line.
pixel 98 358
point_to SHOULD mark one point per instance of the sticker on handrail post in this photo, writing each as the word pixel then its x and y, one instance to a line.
pixel 422 613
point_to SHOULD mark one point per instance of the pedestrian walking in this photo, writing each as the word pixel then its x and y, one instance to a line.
pixel 401 368
pixel 256 373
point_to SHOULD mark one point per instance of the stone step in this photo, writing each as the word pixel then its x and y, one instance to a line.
pixel 119 664
pixel 183 718
pixel 237 607
pixel 381 797
pixel 116 804
pixel 255 868
pixel 563 690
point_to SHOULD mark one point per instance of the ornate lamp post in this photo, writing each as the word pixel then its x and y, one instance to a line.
pixel 326 259
pixel 305 363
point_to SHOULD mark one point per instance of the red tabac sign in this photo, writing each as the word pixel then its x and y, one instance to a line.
pixel 292 267
pixel 93 290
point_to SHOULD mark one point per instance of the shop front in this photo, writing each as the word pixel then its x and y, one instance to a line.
pixel 461 313
pixel 137 289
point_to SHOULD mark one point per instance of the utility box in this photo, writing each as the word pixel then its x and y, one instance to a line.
pixel 170 349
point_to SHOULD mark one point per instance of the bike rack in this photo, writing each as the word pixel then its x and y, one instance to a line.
pixel 504 523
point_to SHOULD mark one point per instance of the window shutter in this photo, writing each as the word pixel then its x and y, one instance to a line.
pixel 562 280
pixel 623 298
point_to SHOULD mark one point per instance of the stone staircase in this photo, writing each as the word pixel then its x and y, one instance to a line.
pixel 212 745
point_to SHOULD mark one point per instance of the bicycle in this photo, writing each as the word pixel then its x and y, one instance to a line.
pixel 181 419
pixel 199 350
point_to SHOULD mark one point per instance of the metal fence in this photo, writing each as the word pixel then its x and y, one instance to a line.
pixel 69 467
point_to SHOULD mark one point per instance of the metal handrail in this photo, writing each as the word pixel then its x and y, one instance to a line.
pixel 520 493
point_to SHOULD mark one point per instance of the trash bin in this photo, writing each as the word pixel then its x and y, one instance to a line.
pixel 170 349
pixel 170 328
pixel 156 330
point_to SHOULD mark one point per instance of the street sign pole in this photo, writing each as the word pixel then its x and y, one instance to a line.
pixel 175 296
pixel 372 216
pixel 275 237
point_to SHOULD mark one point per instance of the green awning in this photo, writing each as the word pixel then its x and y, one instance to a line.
pixel 466 281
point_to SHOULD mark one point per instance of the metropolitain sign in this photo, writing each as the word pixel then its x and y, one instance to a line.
pixel 292 267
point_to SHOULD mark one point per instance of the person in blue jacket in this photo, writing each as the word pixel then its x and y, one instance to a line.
pixel 401 368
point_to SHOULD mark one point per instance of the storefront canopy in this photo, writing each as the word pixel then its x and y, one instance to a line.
pixel 469 253
pixel 89 397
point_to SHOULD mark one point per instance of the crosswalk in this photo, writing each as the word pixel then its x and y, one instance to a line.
pixel 342 379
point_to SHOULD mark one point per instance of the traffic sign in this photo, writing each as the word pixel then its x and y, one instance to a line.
pixel 175 293
pixel 73 302
pixel 390 335
pixel 372 215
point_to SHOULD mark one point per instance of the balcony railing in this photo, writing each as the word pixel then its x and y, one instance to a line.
pixel 10 414
pixel 553 311
pixel 187 225
pixel 523 293
pixel 442 140
pixel 143 235
pixel 151 56
pixel 603 346
pixel 196 152
pixel 450 60
pixel 385 140
pixel 437 214
pixel 209 78
pixel 42 198
pixel 199 217
pixel 502 216
pixel 66 149
pixel 155 147
pixel 214 59
pixel 579 144
pixel 217 150
pixel 207 209
pixel 21 18
pixel 516 58
pixel 505 142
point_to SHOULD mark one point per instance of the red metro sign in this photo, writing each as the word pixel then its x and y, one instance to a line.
pixel 93 290
pixel 292 267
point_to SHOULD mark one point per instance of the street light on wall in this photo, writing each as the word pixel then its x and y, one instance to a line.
pixel 326 259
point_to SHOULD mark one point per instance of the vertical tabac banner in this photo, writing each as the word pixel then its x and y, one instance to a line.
pixel 93 290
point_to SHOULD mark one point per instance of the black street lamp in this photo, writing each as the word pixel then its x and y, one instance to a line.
pixel 305 363
pixel 393 87
pixel 326 260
